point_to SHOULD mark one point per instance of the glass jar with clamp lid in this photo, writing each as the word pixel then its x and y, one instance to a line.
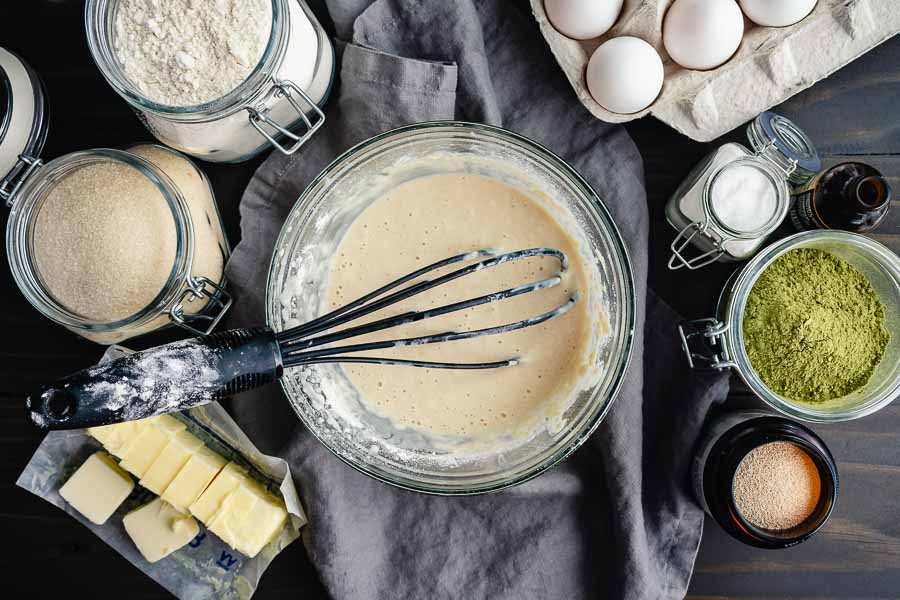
pixel 277 106
pixel 110 244
pixel 735 197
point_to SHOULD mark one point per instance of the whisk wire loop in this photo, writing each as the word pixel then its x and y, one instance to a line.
pixel 296 342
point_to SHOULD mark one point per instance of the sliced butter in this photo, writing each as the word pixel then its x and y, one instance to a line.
pixel 158 529
pixel 173 457
pixel 144 448
pixel 97 488
pixel 236 508
pixel 249 518
pixel 265 523
pixel 115 436
pixel 193 478
pixel 168 423
pixel 210 500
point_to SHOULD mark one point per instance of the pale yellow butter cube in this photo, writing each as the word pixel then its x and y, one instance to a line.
pixel 174 456
pixel 249 518
pixel 168 423
pixel 193 478
pixel 236 508
pixel 158 529
pixel 265 522
pixel 210 500
pixel 115 436
pixel 97 488
pixel 139 453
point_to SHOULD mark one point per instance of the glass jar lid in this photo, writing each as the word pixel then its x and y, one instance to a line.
pixel 23 122
pixel 747 198
pixel 782 142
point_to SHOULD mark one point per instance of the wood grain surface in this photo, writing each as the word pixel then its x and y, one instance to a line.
pixel 851 115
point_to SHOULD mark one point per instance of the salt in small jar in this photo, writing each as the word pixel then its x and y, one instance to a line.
pixel 734 198
pixel 734 438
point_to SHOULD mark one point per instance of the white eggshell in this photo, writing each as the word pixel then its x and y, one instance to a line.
pixel 582 19
pixel 777 13
pixel 625 75
pixel 702 34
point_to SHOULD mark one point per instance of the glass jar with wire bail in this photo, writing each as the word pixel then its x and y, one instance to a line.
pixel 113 244
pixel 733 199
pixel 276 106
pixel 108 243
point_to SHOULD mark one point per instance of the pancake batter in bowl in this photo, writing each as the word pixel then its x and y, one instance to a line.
pixel 437 216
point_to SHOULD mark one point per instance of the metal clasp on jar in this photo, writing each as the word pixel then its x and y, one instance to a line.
pixel 303 104
pixel 24 167
pixel 712 332
pixel 683 240
pixel 219 301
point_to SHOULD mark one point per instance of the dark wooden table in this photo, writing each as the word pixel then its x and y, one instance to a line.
pixel 852 114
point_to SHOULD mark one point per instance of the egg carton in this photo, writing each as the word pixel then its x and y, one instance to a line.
pixel 771 64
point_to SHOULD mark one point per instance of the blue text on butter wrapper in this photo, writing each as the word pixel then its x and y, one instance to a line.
pixel 226 560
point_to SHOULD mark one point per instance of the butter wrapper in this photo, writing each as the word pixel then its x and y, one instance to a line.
pixel 207 567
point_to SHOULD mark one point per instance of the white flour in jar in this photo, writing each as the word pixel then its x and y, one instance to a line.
pixel 189 52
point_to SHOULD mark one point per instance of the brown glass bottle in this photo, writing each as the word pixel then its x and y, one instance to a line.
pixel 851 196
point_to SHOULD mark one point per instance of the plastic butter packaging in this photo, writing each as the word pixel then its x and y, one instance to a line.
pixel 195 468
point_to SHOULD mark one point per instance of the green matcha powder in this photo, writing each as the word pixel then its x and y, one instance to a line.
pixel 814 328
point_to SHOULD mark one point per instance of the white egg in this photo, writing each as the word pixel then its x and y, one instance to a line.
pixel 583 19
pixel 777 13
pixel 625 75
pixel 702 34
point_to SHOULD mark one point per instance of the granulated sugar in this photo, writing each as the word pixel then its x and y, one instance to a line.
pixel 104 241
pixel 189 52
pixel 777 486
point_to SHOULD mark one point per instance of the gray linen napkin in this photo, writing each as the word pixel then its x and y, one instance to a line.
pixel 616 520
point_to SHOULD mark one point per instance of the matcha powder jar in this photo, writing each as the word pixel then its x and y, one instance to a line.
pixel 812 326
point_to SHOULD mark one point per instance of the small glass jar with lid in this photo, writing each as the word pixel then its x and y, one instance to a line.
pixel 735 197
pixel 728 441
pixel 277 106
pixel 111 244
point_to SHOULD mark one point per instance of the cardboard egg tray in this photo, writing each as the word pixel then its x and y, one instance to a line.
pixel 771 64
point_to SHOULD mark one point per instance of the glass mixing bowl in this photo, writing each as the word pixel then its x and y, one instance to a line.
pixel 881 267
pixel 302 261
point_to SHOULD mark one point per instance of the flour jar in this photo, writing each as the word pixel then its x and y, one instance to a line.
pixel 735 197
pixel 276 106
pixel 718 342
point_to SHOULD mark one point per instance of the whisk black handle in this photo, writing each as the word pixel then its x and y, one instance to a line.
pixel 160 380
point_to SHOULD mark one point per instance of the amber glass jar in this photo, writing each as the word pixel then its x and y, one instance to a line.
pixel 725 444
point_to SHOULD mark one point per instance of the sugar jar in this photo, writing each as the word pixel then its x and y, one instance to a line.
pixel 735 197
pixel 109 243
pixel 276 106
